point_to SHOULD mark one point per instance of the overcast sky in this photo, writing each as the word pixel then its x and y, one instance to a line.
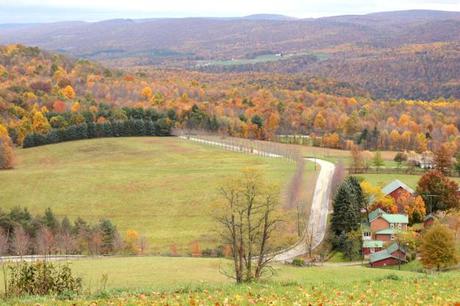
pixel 24 11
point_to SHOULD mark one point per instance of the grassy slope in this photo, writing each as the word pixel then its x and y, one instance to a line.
pixel 166 273
pixel 163 187
pixel 143 277
pixel 383 179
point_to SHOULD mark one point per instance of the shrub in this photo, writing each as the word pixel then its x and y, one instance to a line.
pixel 41 278
pixel 298 262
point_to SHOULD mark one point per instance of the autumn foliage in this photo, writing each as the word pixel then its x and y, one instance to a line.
pixel 7 156
pixel 256 105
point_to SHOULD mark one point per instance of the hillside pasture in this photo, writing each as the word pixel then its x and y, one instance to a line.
pixel 165 188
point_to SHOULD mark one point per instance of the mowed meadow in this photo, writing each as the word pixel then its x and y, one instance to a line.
pixel 164 188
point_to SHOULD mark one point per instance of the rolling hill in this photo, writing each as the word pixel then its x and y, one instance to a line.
pixel 130 180
pixel 415 53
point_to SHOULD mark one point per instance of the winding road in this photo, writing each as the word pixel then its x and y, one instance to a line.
pixel 317 223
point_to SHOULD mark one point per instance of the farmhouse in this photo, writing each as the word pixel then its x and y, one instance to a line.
pixel 396 189
pixel 424 160
pixel 392 255
pixel 382 228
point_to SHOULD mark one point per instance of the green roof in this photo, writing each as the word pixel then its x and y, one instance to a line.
pixel 387 231
pixel 375 214
pixel 380 255
pixel 396 218
pixel 384 254
pixel 392 248
pixel 372 244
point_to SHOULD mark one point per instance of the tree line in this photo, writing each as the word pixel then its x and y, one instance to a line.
pixel 130 127
pixel 22 234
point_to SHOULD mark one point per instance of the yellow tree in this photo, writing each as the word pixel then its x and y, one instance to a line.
pixel 6 150
pixel 421 143
pixel 437 248
pixel 147 93
pixel 320 122
pixel 395 139
pixel 40 124
pixel 132 241
pixel 68 92
pixel 75 107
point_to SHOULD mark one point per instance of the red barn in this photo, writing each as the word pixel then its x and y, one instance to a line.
pixel 392 255
pixel 397 188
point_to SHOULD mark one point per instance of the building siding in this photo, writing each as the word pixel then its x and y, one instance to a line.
pixel 379 224
pixel 385 262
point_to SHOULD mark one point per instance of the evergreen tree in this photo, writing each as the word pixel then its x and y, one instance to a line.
pixel 358 194
pixel 50 220
pixel 346 216
pixel 108 231
pixel 66 226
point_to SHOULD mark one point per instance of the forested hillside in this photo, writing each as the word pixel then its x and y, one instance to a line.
pixel 41 92
pixel 408 54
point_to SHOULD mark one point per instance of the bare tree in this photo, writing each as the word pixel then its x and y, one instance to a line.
pixel 3 242
pixel 309 241
pixel 65 242
pixel 143 244
pixel 45 241
pixel 95 242
pixel 21 241
pixel 249 218
pixel 357 159
pixel 118 242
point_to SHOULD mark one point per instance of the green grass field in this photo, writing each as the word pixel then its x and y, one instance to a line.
pixel 384 179
pixel 197 281
pixel 165 188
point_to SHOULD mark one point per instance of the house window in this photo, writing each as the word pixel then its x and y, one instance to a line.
pixel 392 237
pixel 399 225
pixel 372 250
pixel 392 225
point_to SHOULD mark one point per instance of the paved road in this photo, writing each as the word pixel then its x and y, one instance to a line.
pixel 317 223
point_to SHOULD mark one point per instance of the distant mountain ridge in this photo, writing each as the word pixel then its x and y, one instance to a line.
pixel 235 37
pixel 381 51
